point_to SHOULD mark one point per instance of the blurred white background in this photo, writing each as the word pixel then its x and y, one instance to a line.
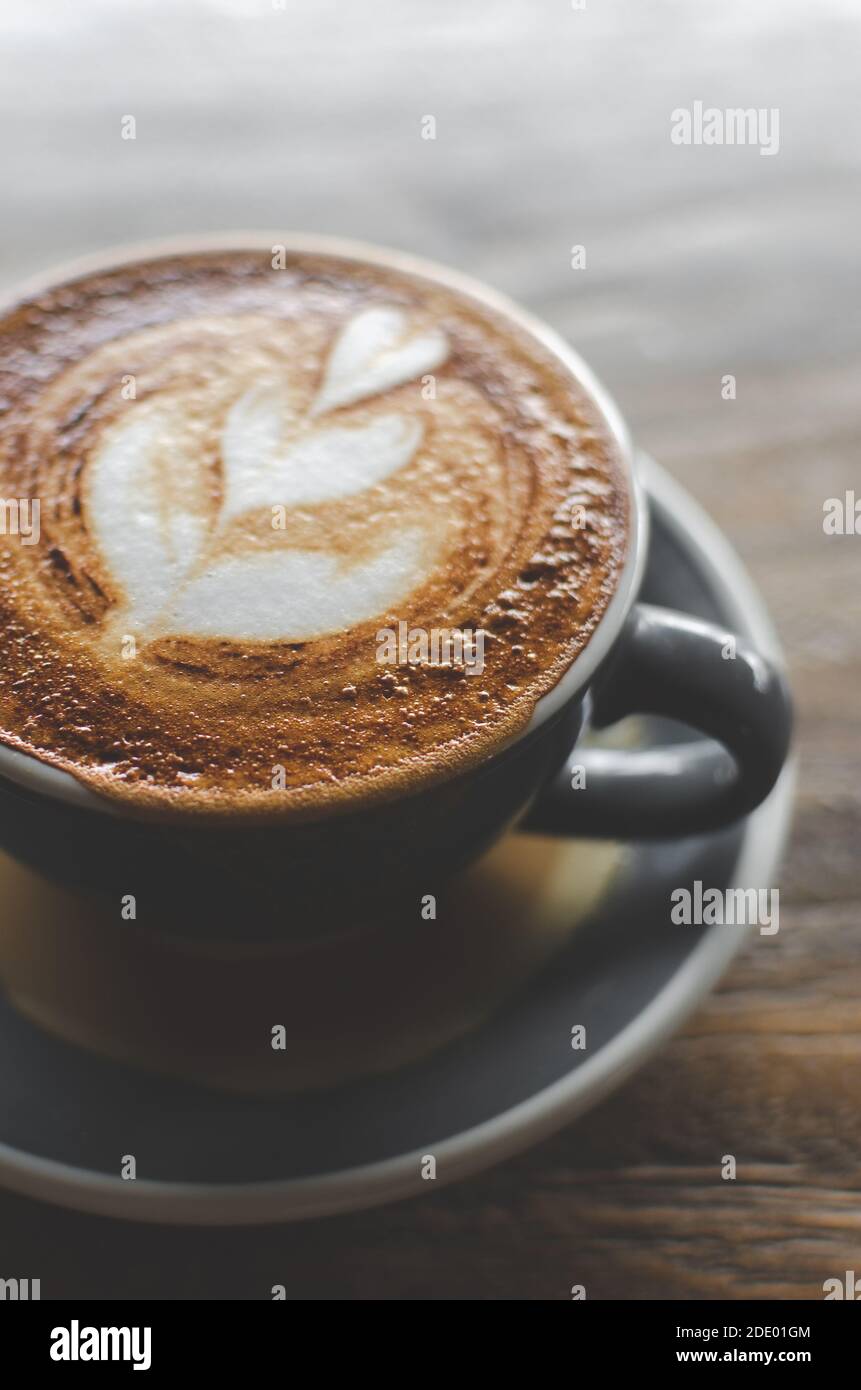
pixel 552 129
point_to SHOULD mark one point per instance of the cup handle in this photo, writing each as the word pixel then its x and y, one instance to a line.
pixel 680 667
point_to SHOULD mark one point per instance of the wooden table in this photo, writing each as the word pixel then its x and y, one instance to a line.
pixel 552 130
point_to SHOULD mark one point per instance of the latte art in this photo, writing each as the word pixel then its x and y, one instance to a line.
pixel 187 569
pixel 243 475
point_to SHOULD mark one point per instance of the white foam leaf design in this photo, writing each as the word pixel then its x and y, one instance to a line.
pixel 374 353
pixel 296 594
pixel 326 463
pixel 146 503
pixel 149 546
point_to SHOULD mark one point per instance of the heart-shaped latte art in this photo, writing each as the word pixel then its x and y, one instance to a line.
pixel 375 352
pixel 146 500
pixel 319 466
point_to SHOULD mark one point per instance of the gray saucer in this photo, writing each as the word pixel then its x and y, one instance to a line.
pixel 628 975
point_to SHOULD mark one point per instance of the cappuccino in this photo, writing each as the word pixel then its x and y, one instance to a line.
pixel 244 476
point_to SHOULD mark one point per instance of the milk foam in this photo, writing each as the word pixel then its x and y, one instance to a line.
pixel 172 570
pixel 375 352
pixel 148 537
pixel 318 466
pixel 300 594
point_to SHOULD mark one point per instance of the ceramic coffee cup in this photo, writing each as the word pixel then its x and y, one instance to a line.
pixel 258 878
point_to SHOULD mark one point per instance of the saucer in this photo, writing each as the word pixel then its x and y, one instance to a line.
pixel 464 1055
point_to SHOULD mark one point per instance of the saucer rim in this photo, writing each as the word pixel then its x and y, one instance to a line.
pixel 550 1109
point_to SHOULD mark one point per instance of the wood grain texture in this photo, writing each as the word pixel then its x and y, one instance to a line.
pixel 552 130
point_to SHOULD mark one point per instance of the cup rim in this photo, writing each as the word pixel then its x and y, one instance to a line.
pixel 30 773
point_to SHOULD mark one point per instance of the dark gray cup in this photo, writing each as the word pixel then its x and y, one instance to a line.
pixel 260 879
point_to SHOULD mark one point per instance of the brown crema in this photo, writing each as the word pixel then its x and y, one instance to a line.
pixel 245 475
